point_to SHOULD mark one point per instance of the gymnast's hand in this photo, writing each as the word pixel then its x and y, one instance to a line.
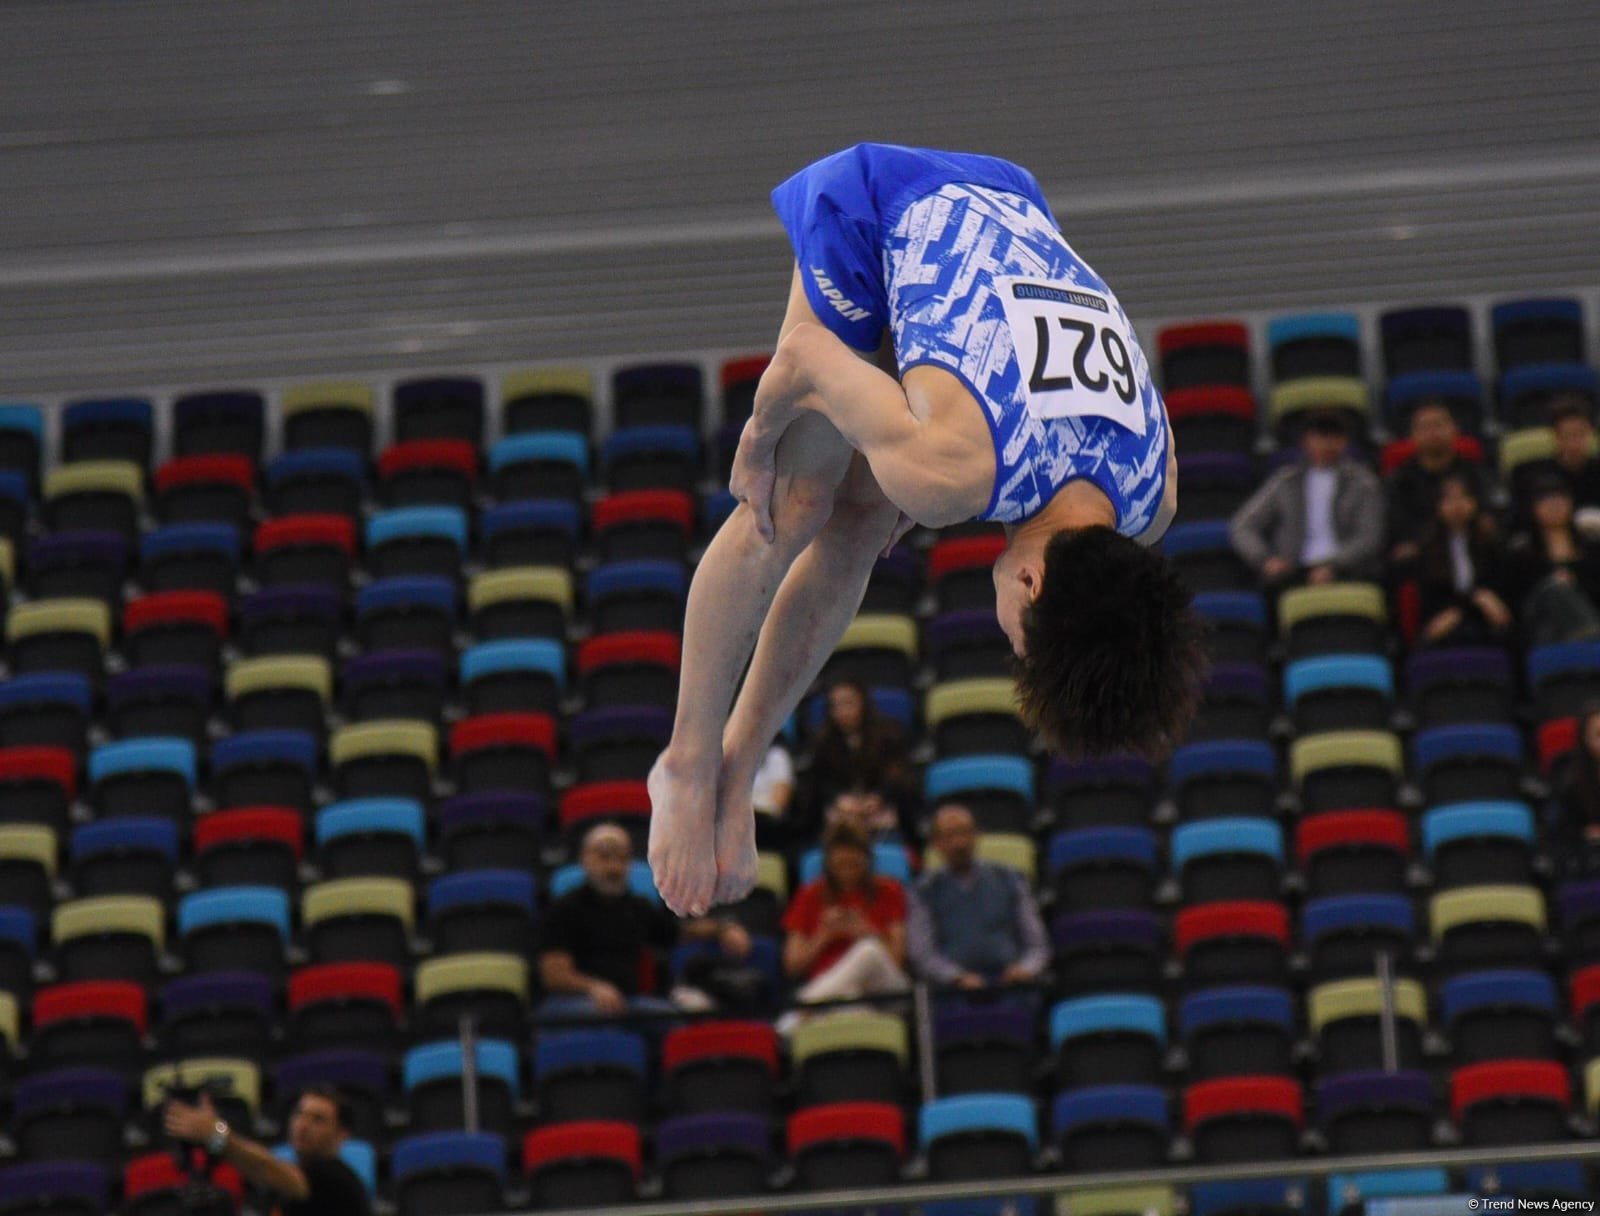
pixel 755 473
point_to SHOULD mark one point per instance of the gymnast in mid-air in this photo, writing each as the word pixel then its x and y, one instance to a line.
pixel 945 356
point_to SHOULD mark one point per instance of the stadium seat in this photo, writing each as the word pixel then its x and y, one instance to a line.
pixel 876 649
pixel 655 457
pixel 89 1024
pixel 128 855
pixel 1343 934
pixel 168 627
pixel 225 1013
pixel 1449 687
pixel 1114 791
pixel 1345 1019
pixel 720 1066
pixel 895 584
pixel 1479 927
pixel 197 489
pixel 1214 484
pixel 547 399
pixel 849 1057
pixel 502 828
pixel 243 846
pixel 1306 345
pixel 1236 625
pixel 235 929
pixel 505 751
pixel 1580 920
pixel 328 415
pixel 428 472
pixel 484 909
pixel 388 758
pixel 520 602
pixel 961 572
pixel 154 776
pixel 625 803
pixel 643 524
pixel 37 786
pixel 1353 852
pixel 1564 677
pixel 156 1184
pixel 1537 331
pixel 491 987
pixel 1376 1112
pixel 305 550
pixel 1498 1015
pixel 967 644
pixel 19 944
pixel 1152 1200
pixel 658 394
pixel 412 612
pixel 1233 858
pixel 1293 401
pixel 1471 762
pixel 110 937
pixel 343 1005
pixel 998 790
pixel 1118 950
pixel 1247 1118
pixel 1461 391
pixel 1511 1102
pixel 632 668
pixel 16 501
pixel 513 675
pixel 846 1144
pixel 21 440
pixel 439 407
pixel 280 692
pixel 975 717
pixel 1111 1127
pixel 1237 1030
pixel 1108 1039
pixel 1527 391
pixel 48 709
pixel 359 1155
pixel 1431 338
pixel 637 595
pixel 1336 618
pixel 984 1049
pixel 70 1114
pixel 585 1163
pixel 28 862
pixel 376 837
pixel 431 1077
pixel 1475 843
pixel 1556 741
pixel 315 481
pixel 1109 867
pixel 107 429
pixel 395 684
pixel 620 743
pixel 1204 354
pixel 75 565
pixel 1338 770
pixel 1526 456
pixel 712 1155
pixel 1232 942
pixel 94 496
pixel 1225 779
pixel 362 1077
pixel 448 1171
pixel 291 620
pixel 1204 557
pixel 539 464
pixel 358 920
pixel 59 635
pixel 1235 704
pixel 536 533
pixel 417 542
pixel 978 1136
pixel 590 1074
pixel 1338 692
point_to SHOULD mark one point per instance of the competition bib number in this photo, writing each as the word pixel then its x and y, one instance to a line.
pixel 1074 352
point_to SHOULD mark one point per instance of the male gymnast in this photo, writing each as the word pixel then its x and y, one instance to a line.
pixel 945 356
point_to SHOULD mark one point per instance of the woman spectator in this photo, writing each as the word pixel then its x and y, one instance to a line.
pixel 1460 566
pixel 1555 573
pixel 859 749
pixel 1574 834
pixel 846 929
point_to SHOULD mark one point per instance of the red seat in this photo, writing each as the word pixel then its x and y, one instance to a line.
pixel 1557 739
pixel 720 1040
pixel 184 471
pixel 456 455
pixel 1212 401
pixel 331 531
pixel 253 823
pixel 1222 1097
pixel 159 1172
pixel 81 999
pixel 1512 1081
pixel 1584 992
pixel 591 1139
pixel 603 799
pixel 45 764
pixel 963 553
pixel 644 506
pixel 1230 919
pixel 504 730
pixel 656 648
pixel 1202 333
pixel 164 608
pixel 1344 852
pixel 377 982
pixel 743 370
pixel 836 1121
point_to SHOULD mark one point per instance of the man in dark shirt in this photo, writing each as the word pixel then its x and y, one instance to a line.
pixel 1571 416
pixel 598 937
pixel 316 1183
pixel 1413 488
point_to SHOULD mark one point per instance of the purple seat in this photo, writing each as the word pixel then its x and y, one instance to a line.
pixel 491 829
pixel 1376 1111
pixel 78 563
pixel 711 1155
pixel 66 1187
pixel 71 1114
pixel 1108 950
pixel 392 682
pixel 234 990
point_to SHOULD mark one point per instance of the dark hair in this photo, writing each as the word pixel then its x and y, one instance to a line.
pixel 1482 536
pixel 1113 656
pixel 844 834
pixel 329 1093
pixel 1430 403
pixel 878 764
pixel 1570 405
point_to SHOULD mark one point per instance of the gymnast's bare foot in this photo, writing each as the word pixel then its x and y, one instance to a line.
pixel 736 836
pixel 683 809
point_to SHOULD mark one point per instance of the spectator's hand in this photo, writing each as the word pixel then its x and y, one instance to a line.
pixel 1493 608
pixel 607 998
pixel 192 1123
pixel 855 926
pixel 833 920
pixel 1016 973
pixel 1321 575
pixel 734 941
pixel 1442 625
pixel 969 981
pixel 1276 568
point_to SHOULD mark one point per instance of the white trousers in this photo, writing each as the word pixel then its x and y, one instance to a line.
pixel 866 969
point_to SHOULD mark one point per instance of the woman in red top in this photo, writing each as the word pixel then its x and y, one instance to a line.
pixel 847 929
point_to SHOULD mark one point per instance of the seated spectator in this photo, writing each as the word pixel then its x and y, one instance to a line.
pixel 1572 418
pixel 772 799
pixel 858 749
pixel 1316 521
pixel 847 929
pixel 598 958
pixel 1574 829
pixel 1460 571
pixel 1554 573
pixel 1413 487
pixel 973 925
pixel 867 811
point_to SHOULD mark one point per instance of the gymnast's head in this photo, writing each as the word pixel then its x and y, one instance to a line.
pixel 1108 649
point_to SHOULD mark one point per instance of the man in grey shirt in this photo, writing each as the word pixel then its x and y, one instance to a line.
pixel 973 925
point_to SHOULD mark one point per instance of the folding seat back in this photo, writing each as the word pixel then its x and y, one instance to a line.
pixel 59 635
pixel 707 1156
pixel 311 550
pixel 1235 1030
pixel 1204 558
pixel 1000 790
pixel 417 541
pixel 633 668
pixel 89 1024
pixel 1461 391
pixel 1478 843
pixel 439 407
pixel 1339 692
pixel 1108 867
pixel 520 602
pixel 643 524
pixel 1344 934
pixel 739 377
pixel 589 1074
pixel 70 1114
pixel 1345 1018
pixel 334 1005
pixel 143 776
pixel 19 943
pixel 1117 1127
pixel 1528 392
pixel 448 1171
pixel 1112 791
pixel 1343 618
pixel 656 394
pixel 28 861
pixel 1232 942
pixel 379 837
pixel 513 675
pixel 359 920
pixel 1431 338
pixel 1338 770
pixel 1525 456
pixel 37 785
pixel 536 533
pixel 1108 1039
pixel 854 1144
pixel 651 458
pixel 175 627
pixel 1246 1118
pixel 54 1188
pixel 1236 625
pixel 490 987
pixel 413 612
pixel 1224 779
pixel 720 1066
pixel 1235 704
pixel 1214 485
pixel 984 1049
pixel 1537 331
pixel 1376 1112
pixel 129 855
pixel 636 595
pixel 1497 1015
pixel 961 572
pixel 1511 1102
pixel 851 1057
pixel 427 472
pixel 194 489
pixel 395 684
pixel 1470 762
pixel 620 743
pixel 502 828
pixel 316 481
pixel 235 929
pixel 976 717
pixel 1120 949
pixel 1353 852
pixel 1564 677
pixel 477 910
pixel 967 644
pixel 225 1013
pixel 328 414
pixel 387 758
pixel 114 937
pixel 1308 345
pixel 1204 354
pixel 76 565
pixel 876 649
pixel 1490 925
pixel 21 439
pixel 47 709
pixel 431 1076
pixel 94 496
pixel 584 1163
pixel 245 846
pixel 625 803
pixel 1232 858
pixel 291 620
pixel 514 751
pixel 539 464
pixel 110 429
pixel 978 1136
pixel 1556 741
pixel 1460 685
pixel 280 692
pixel 895 584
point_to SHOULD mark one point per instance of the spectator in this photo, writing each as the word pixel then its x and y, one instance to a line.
pixel 1572 419
pixel 316 1183
pixel 859 749
pixel 1317 520
pixel 1554 575
pixel 973 925
pixel 600 939
pixel 1413 487
pixel 847 929
pixel 1460 571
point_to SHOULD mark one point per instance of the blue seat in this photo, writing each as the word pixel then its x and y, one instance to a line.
pixel 45 708
pixel 1466 684
pixel 1525 390
pixel 265 768
pixel 1224 778
pixel 640 880
pixel 481 888
pixel 362 1077
pixel 1104 791
pixel 1427 339
pixel 717 508
pixel 16 496
pixel 1201 536
pixel 642 594
pixel 449 1171
pixel 65 1188
pixel 1258 1197
pixel 235 929
pixel 1238 1029
pixel 1338 692
pixel 1299 327
pixel 70 1113
pixel 361 816
pixel 406 612
pixel 620 577
pixel 135 776
pixel 1108 1039
pixel 127 855
pixel 376 837
pixel 1563 677
pixel 978 1136
pixel 395 684
pixel 316 481
pixel 1478 760
pixel 543 656
pixel 1500 1014
pixel 888 861
pixel 417 541
pixel 116 428
pixel 1236 857
pixel 1374 1112
pixel 590 1074
pixel 1343 933
pixel 475 910
pixel 1104 867
pixel 439 407
pixel 651 458
pixel 537 448
pixel 1113 1013
pixel 1461 390
pixel 19 943
pixel 172 540
pixel 228 422
pixel 1111 1127
pixel 223 1013
pixel 998 789
pixel 431 1077
pixel 359 1155
pixel 1538 331
pixel 21 439
pixel 1458 821
pixel 1352 1190
pixel 541 531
